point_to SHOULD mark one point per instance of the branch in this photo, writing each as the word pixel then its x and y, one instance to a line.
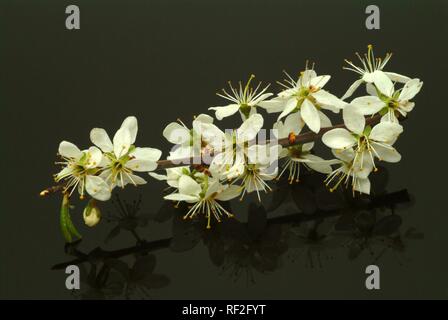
pixel 285 142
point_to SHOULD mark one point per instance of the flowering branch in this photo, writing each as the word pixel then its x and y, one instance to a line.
pixel 208 165
pixel 302 138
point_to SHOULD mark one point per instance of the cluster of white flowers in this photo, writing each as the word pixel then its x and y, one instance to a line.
pixel 212 165
pixel 99 169
pixel 357 145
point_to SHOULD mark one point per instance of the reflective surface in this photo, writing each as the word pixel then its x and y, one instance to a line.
pixel 161 60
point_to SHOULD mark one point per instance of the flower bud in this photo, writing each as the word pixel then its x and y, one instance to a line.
pixel 91 214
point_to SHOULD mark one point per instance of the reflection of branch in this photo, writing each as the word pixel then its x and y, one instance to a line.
pixel 99 253
pixel 390 199
pixel 299 139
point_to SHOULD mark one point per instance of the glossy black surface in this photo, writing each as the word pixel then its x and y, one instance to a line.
pixel 160 60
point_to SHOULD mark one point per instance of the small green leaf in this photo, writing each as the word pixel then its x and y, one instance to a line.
pixel 63 219
pixel 384 111
pixel 66 224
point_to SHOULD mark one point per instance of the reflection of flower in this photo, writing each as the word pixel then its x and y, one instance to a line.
pixel 313 245
pixel 126 216
pixel 99 284
pixel 254 246
pixel 115 279
pixel 139 279
pixel 80 171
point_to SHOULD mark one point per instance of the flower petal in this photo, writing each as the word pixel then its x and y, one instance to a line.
pixel 362 185
pixel 386 132
pixel 135 180
pixel 310 115
pixel 64 173
pixel 250 128
pixel 100 138
pixel 345 155
pixel 305 77
pixel 293 123
pixel 148 154
pixel 370 89
pixel 214 187
pixel 181 197
pixel 132 125
pixel 176 133
pixel 122 142
pixel 160 177
pixel 410 89
pixel 141 165
pixel 317 163
pixel 94 157
pixel 231 192
pixel 97 188
pixel 290 105
pixel 273 105
pixel 69 150
pixel 368 105
pixel 320 81
pixel 353 119
pixel 188 186
pixel 261 98
pixel 223 112
pixel 387 154
pixel 339 138
pixel 212 135
pixel 307 146
pixel 327 99
pixel 383 83
pixel 204 118
pixel 324 120
pixel 352 89
pixel 397 77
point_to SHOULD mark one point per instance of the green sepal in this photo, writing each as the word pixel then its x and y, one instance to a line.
pixel 384 111
pixel 66 224
pixel 367 130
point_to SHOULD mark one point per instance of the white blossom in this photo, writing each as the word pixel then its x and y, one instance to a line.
pixel 300 154
pixel 369 70
pixel 257 168
pixel 121 158
pixel 366 141
pixel 351 171
pixel 245 100
pixel 307 97
pixel 80 169
pixel 204 192
pixel 388 101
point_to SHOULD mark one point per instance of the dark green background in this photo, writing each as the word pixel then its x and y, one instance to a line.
pixel 163 59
